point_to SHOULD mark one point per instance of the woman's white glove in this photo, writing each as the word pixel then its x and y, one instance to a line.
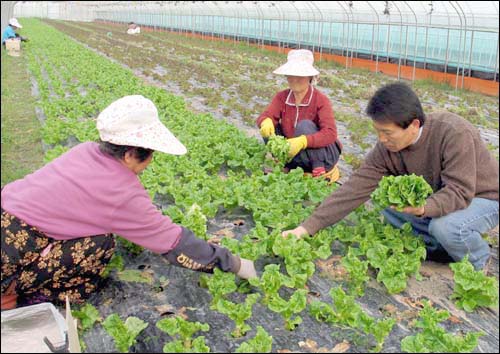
pixel 247 269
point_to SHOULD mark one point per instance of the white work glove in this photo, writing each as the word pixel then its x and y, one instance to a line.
pixel 247 269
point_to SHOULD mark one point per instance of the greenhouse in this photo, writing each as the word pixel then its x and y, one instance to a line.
pixel 250 176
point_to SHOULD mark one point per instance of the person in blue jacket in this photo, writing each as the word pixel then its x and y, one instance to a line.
pixel 10 31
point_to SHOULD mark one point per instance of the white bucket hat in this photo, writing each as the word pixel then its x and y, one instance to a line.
pixel 13 22
pixel 300 63
pixel 133 120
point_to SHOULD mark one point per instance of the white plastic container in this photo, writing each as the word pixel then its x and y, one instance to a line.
pixel 24 328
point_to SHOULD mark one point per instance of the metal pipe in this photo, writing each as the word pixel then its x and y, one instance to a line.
pixel 470 53
pixel 343 30
pixel 405 61
pixel 261 14
pixel 427 39
pixel 347 41
pixel 193 20
pixel 496 66
pixel 261 18
pixel 496 58
pixel 330 36
pixel 216 16
pixel 378 36
pixel 471 40
pixel 236 33
pixel 373 42
pixel 416 33
pixel 311 33
pixel 309 28
pixel 320 30
pixel 223 27
pixel 459 43
pixel 352 17
pixel 248 20
pixel 356 43
pixel 289 38
pixel 299 25
pixel 388 37
pixel 465 43
pixel 447 42
pixel 279 25
pixel 400 40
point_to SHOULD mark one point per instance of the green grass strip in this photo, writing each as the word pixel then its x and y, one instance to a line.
pixel 21 136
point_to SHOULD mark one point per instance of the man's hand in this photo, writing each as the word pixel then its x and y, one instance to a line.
pixel 296 144
pixel 298 232
pixel 247 269
pixel 417 211
pixel 267 128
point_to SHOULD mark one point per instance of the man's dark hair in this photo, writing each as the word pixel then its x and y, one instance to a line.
pixel 119 151
pixel 396 103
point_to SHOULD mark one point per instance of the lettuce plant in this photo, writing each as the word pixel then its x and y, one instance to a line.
pixel 239 313
pixel 434 339
pixel 271 281
pixel 346 312
pixel 473 288
pixel 196 221
pixel 219 284
pixel 279 147
pixel 124 333
pixel 182 331
pixel 87 315
pixel 401 191
pixel 294 305
pixel 261 343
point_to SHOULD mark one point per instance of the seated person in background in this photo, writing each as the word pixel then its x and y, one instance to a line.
pixel 304 116
pixel 10 31
pixel 133 28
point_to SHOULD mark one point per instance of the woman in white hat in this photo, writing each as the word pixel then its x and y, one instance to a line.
pixel 57 223
pixel 10 31
pixel 304 116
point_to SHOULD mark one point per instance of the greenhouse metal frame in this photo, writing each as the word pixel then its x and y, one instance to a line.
pixel 457 37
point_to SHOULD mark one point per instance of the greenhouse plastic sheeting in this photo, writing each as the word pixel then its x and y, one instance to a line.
pixel 449 33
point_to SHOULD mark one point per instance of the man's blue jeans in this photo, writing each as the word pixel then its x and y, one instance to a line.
pixel 458 233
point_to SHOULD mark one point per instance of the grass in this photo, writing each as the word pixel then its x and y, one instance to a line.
pixel 431 84
pixel 21 147
pixel 352 160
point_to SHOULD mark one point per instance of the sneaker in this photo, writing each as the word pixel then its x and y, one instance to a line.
pixel 439 256
pixel 333 175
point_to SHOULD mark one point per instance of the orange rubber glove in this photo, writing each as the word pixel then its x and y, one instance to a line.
pixel 267 128
pixel 296 144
